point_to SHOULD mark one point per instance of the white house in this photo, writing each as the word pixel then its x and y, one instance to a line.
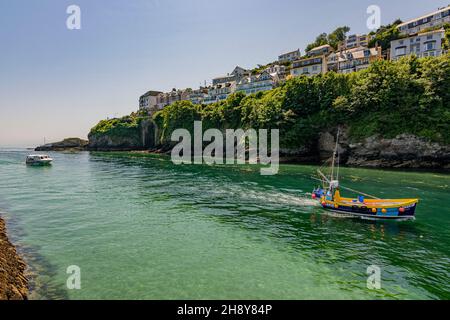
pixel 355 41
pixel 256 83
pixel 235 75
pixel 422 45
pixel 219 92
pixel 319 51
pixel 149 100
pixel 357 59
pixel 289 56
pixel 431 20
pixel 309 66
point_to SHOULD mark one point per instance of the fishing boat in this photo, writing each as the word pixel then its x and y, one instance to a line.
pixel 365 205
pixel 38 160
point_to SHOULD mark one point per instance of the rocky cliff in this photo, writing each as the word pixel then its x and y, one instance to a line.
pixel 403 151
pixel 135 138
pixel 13 283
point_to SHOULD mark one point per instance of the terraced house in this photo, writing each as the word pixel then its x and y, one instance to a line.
pixel 355 41
pixel 289 56
pixel 319 51
pixel 431 20
pixel 237 74
pixel 198 96
pixel 256 83
pixel 149 100
pixel 427 44
pixel 219 92
pixel 309 66
pixel 352 60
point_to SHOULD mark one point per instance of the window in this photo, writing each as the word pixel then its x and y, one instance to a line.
pixel 430 37
pixel 430 45
pixel 400 51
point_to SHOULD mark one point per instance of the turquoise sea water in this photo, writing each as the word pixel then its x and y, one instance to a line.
pixel 140 227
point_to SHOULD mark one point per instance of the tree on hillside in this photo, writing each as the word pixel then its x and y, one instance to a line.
pixel 385 34
pixel 333 39
pixel 337 36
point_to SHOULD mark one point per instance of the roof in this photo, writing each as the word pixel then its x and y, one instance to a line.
pixel 151 93
pixel 424 16
pixel 290 52
pixel 320 47
pixel 357 53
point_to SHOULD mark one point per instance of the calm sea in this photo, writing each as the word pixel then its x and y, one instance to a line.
pixel 140 227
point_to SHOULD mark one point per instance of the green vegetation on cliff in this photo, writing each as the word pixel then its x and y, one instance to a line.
pixel 125 126
pixel 408 96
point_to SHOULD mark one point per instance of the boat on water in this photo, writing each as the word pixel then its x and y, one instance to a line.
pixel 38 160
pixel 365 205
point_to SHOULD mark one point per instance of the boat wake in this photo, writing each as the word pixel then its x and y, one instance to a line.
pixel 302 200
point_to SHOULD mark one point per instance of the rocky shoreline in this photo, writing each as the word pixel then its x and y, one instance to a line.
pixel 404 151
pixel 13 283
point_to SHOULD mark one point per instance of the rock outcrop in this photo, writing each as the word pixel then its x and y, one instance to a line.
pixel 13 283
pixel 403 151
pixel 141 138
pixel 69 144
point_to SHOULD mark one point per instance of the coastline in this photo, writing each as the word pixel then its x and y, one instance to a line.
pixel 13 283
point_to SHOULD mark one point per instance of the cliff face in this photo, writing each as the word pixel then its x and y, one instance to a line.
pixel 140 138
pixel 13 283
pixel 403 151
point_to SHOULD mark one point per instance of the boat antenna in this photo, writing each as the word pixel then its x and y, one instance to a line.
pixel 334 154
pixel 338 166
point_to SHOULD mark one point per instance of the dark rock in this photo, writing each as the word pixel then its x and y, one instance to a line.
pixel 70 144
pixel 13 283
pixel 403 151
pixel 141 139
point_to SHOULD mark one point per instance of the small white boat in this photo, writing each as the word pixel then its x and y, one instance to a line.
pixel 38 160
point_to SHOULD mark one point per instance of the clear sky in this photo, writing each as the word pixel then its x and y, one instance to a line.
pixel 58 83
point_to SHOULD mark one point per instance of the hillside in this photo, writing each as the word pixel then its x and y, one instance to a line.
pixel 410 97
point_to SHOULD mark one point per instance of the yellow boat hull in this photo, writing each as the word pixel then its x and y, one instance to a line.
pixel 393 209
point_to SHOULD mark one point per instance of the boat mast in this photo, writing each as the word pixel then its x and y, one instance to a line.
pixel 334 155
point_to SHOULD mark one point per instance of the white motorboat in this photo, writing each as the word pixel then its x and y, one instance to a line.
pixel 39 160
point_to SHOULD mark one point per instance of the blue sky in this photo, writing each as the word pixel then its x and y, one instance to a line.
pixel 57 83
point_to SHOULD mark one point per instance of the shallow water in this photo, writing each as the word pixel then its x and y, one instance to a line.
pixel 140 227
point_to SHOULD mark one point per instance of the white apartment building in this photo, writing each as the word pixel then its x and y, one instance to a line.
pixel 355 41
pixel 422 45
pixel 309 66
pixel 434 19
pixel 355 59
pixel 149 100
pixel 235 75
pixel 198 96
pixel 256 83
pixel 289 56
pixel 321 50
pixel 219 92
